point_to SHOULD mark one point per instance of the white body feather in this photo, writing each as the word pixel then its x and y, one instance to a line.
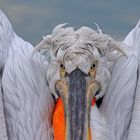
pixel 26 104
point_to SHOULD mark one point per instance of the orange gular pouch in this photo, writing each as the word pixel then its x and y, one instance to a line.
pixel 58 122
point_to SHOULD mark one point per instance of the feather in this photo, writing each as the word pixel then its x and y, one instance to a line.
pixel 26 97
pixel 133 39
pixel 27 101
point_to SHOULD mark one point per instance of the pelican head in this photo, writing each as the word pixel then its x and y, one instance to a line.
pixel 77 72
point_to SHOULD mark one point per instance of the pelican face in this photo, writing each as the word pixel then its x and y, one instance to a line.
pixel 75 74
pixel 77 93
pixel 77 69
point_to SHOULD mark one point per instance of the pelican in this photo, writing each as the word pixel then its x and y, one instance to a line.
pixel 69 70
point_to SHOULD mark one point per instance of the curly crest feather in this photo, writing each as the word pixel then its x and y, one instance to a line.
pixel 80 48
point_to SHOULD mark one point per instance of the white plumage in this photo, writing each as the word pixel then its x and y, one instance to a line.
pixel 26 104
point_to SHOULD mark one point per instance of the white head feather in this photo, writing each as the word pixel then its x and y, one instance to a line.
pixel 79 49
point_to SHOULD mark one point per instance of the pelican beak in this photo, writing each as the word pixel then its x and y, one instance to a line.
pixel 77 95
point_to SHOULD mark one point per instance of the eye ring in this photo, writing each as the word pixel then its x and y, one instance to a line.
pixel 94 65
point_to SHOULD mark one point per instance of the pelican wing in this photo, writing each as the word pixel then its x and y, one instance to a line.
pixel 133 39
pixel 122 97
pixel 28 104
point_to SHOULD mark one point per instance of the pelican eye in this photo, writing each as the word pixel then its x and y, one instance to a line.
pixel 62 71
pixel 93 66
pixel 62 66
pixel 92 72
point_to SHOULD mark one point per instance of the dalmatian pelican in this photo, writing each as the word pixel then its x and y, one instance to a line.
pixel 77 73
pixel 69 70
